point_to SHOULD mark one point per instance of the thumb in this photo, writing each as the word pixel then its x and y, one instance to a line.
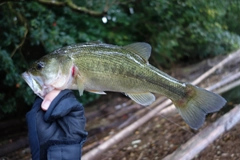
pixel 49 98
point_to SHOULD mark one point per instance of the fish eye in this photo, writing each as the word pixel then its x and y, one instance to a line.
pixel 40 65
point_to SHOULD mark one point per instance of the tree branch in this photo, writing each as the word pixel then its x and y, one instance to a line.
pixel 52 2
pixel 73 6
pixel 22 20
pixel 22 42
pixel 83 9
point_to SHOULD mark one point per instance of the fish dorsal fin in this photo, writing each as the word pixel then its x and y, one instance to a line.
pixel 140 48
pixel 144 99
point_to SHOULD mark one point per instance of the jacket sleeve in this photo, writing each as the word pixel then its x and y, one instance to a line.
pixel 61 129
pixel 31 118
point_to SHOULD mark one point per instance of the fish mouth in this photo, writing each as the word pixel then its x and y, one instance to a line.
pixel 33 84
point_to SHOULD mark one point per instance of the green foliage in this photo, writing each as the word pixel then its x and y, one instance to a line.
pixel 177 30
pixel 86 97
pixel 233 95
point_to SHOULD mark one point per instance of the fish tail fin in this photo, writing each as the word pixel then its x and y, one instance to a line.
pixel 197 104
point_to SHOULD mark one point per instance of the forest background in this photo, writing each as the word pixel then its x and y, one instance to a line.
pixel 180 33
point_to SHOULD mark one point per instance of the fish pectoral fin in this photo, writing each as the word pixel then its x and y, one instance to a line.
pixel 80 85
pixel 144 99
pixel 140 48
pixel 96 92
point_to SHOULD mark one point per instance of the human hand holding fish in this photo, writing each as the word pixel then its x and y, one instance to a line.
pixel 49 98
pixel 99 67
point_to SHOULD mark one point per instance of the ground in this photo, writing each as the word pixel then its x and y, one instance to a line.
pixel 154 140
pixel 162 135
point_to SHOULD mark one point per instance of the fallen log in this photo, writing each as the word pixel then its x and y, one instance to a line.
pixel 197 143
pixel 228 87
pixel 16 145
pixel 124 133
pixel 225 81
pixel 124 111
pixel 220 87
pixel 230 57
pixel 141 112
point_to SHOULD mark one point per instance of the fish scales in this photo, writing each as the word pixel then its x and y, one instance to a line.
pixel 107 62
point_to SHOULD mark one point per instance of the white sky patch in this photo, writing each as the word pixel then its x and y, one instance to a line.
pixel 131 10
pixel 114 19
pixel 104 19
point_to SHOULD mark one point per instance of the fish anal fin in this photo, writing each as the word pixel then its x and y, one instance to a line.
pixel 144 99
pixel 96 92
pixel 197 104
pixel 140 48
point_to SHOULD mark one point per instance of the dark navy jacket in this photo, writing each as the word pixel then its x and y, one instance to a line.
pixel 58 133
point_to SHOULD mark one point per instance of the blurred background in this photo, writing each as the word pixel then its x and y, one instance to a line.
pixel 181 33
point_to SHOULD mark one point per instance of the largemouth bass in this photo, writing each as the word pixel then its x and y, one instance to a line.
pixel 99 67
